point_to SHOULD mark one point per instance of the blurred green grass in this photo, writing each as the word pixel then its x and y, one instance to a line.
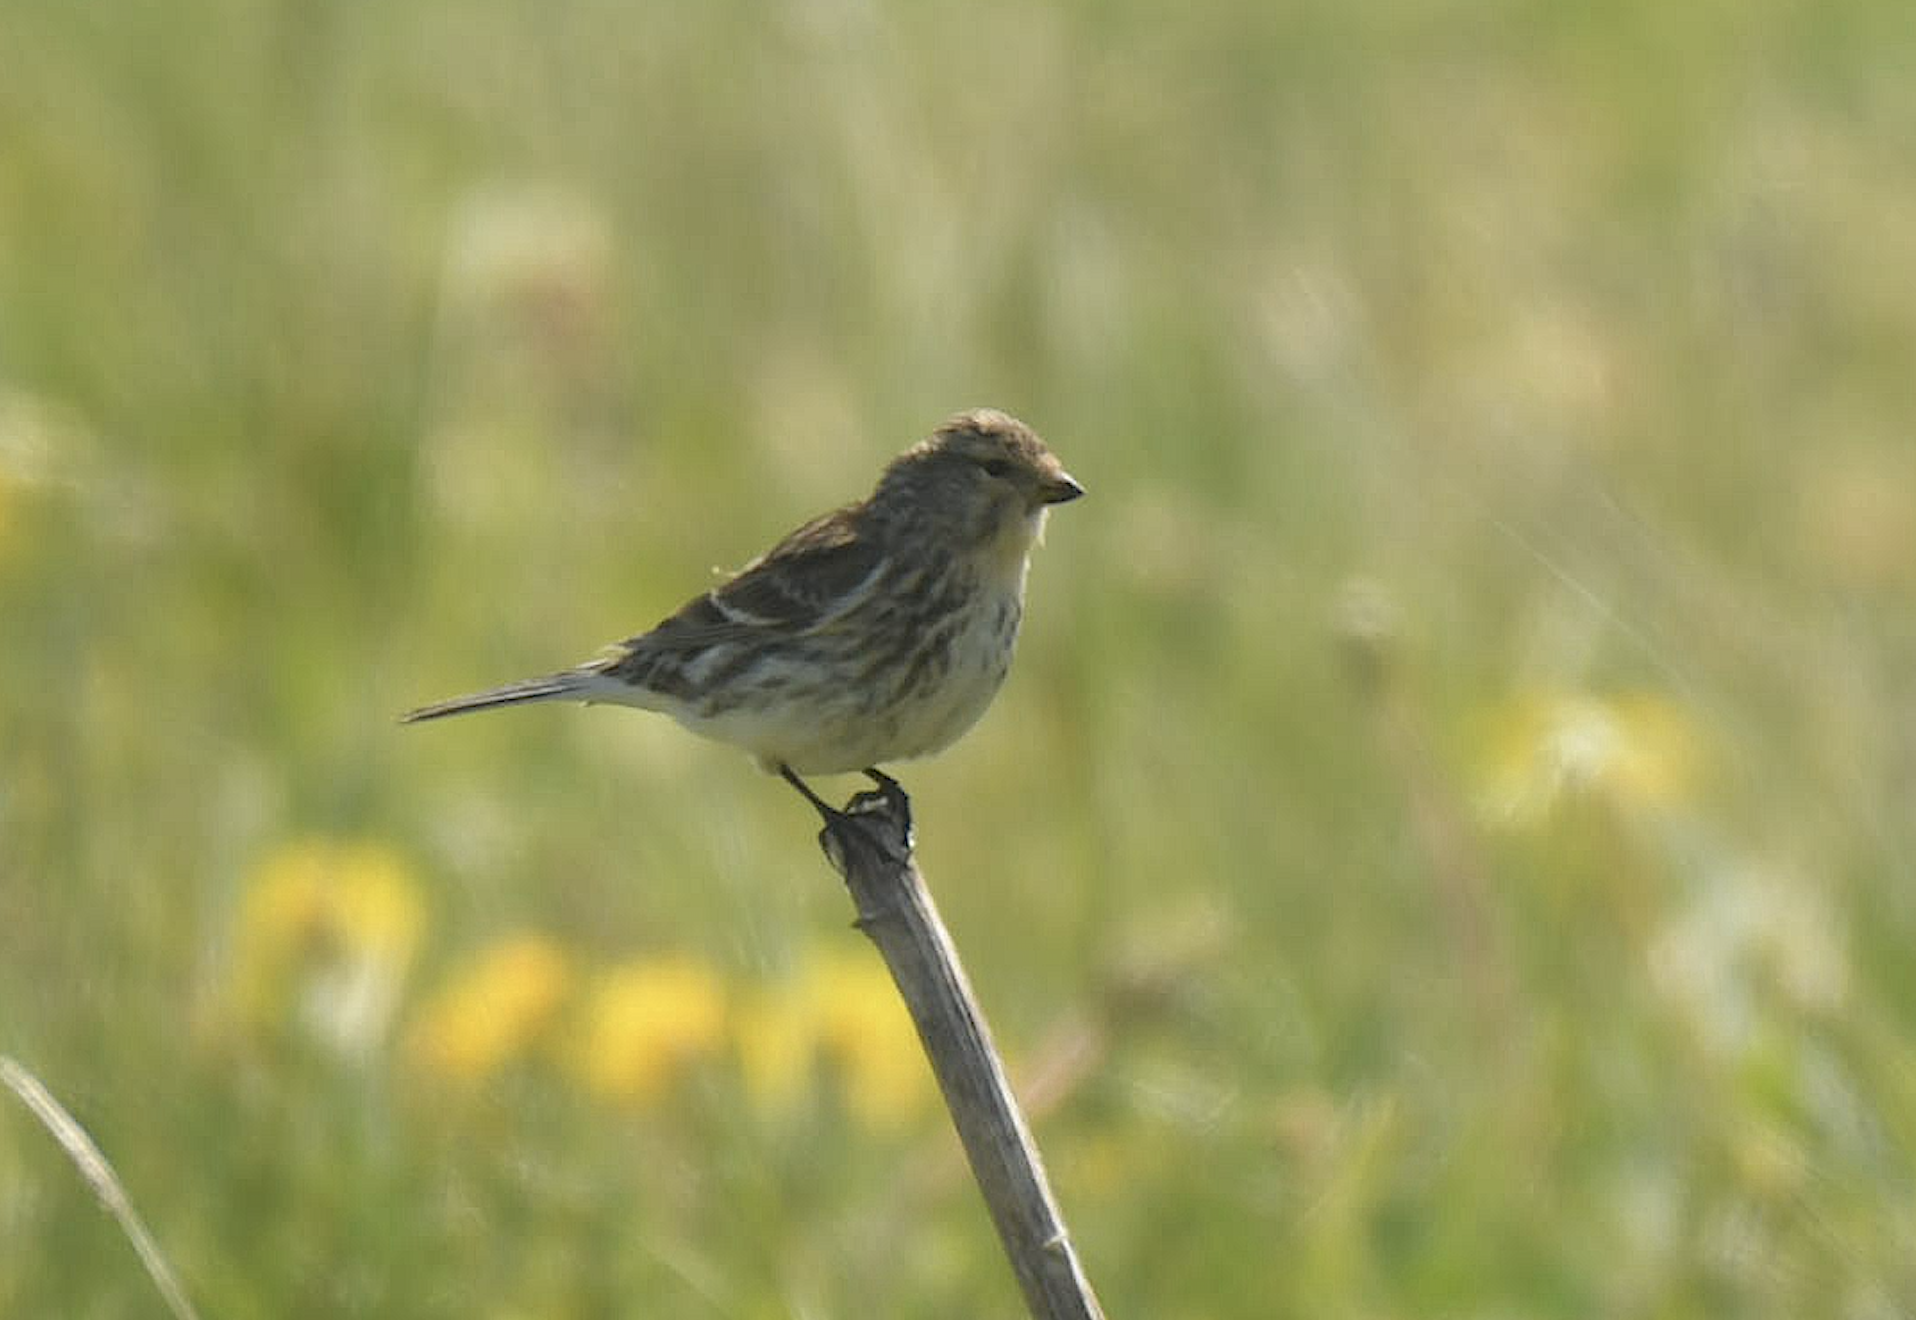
pixel 1455 790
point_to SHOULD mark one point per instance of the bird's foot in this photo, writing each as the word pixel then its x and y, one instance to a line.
pixel 888 798
pixel 882 814
pixel 886 812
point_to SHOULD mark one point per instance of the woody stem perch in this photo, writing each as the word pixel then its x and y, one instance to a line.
pixel 870 845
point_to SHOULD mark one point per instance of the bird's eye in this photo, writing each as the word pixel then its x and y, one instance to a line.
pixel 997 467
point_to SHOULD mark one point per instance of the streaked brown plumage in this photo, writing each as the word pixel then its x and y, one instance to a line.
pixel 875 633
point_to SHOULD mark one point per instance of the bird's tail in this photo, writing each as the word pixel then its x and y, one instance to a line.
pixel 569 685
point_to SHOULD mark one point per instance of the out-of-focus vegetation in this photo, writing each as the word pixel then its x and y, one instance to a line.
pixel 1445 849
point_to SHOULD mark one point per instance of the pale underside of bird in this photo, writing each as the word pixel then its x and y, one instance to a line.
pixel 876 633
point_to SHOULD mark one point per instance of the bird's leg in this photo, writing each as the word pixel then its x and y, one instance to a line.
pixel 886 804
pixel 830 814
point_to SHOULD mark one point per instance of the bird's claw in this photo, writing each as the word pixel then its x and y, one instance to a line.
pixel 883 813
pixel 889 792
pixel 887 799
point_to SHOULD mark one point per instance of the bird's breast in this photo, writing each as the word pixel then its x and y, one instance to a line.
pixel 957 670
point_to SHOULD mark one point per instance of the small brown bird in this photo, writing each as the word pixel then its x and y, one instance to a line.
pixel 875 633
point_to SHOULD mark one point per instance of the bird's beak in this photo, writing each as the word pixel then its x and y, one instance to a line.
pixel 1061 489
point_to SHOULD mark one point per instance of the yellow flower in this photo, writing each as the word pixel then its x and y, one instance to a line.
pixel 865 1030
pixel 843 1011
pixel 773 1035
pixel 327 932
pixel 494 1011
pixel 1633 751
pixel 645 1022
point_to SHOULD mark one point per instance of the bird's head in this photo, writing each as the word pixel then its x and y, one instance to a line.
pixel 984 478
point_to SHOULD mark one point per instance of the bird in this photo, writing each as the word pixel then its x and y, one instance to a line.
pixel 876 633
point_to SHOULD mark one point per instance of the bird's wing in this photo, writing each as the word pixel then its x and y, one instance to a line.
pixel 812 577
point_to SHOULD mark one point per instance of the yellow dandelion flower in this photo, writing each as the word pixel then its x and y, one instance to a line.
pixel 1635 751
pixel 645 1022
pixel 327 933
pixel 773 1036
pixel 494 1011
pixel 842 1011
pixel 864 1030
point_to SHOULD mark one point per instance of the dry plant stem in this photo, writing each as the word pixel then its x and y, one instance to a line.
pixel 870 845
pixel 99 1174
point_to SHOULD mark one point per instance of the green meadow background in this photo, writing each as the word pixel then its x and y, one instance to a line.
pixel 1445 849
